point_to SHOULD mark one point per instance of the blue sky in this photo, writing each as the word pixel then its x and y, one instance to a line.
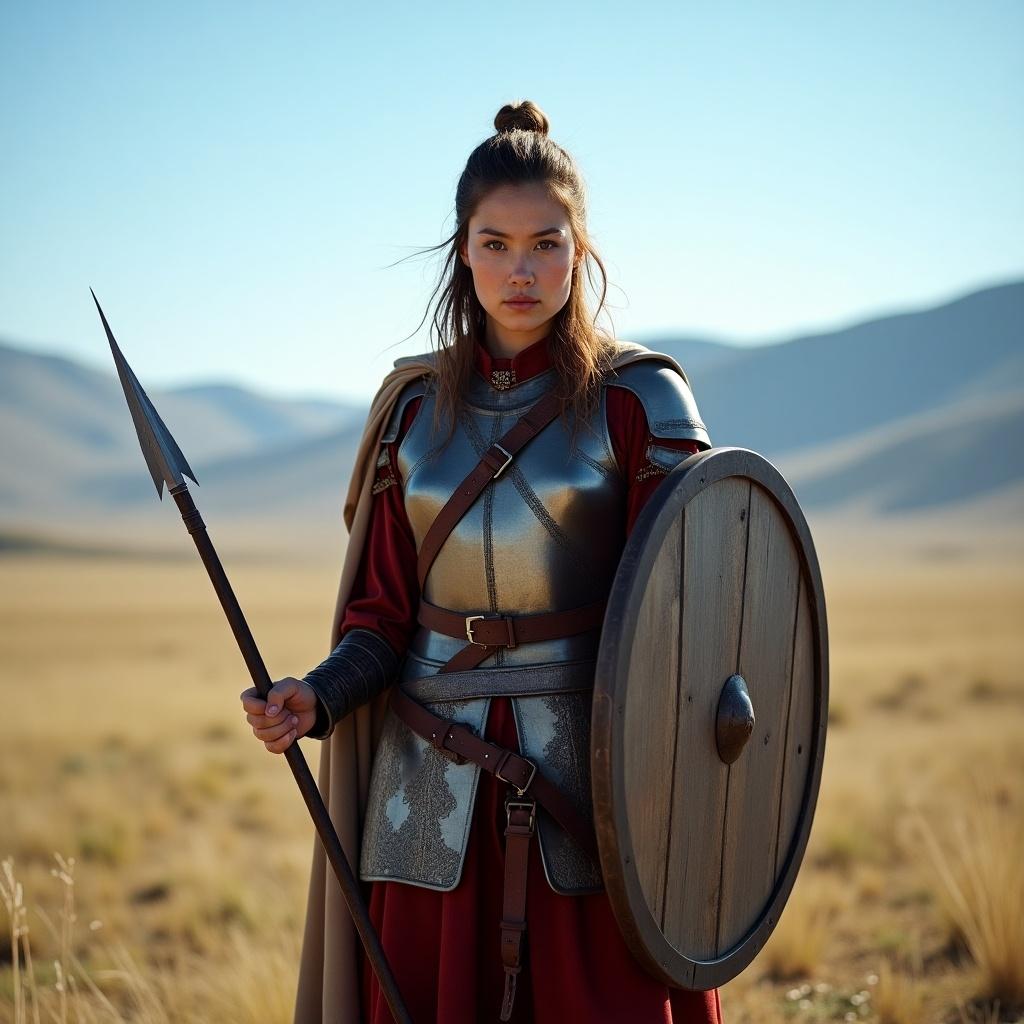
pixel 234 179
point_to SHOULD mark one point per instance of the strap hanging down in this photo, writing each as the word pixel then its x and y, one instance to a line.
pixel 518 833
pixel 492 464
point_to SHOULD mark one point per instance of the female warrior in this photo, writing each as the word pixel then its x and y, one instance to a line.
pixel 496 483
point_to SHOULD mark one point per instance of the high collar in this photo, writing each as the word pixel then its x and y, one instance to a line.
pixel 503 374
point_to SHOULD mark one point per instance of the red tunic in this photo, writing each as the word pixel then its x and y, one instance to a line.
pixel 444 946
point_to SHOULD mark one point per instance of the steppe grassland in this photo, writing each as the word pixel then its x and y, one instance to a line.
pixel 125 748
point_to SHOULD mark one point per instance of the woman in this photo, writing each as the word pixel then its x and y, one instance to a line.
pixel 496 483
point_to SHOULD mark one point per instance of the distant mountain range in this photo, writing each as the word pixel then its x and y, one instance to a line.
pixel 890 417
pixel 65 429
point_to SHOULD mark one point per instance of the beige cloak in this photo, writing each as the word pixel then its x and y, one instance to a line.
pixel 329 981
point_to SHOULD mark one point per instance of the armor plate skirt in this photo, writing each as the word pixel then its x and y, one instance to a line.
pixel 421 804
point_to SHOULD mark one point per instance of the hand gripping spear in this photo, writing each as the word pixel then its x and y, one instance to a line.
pixel 168 465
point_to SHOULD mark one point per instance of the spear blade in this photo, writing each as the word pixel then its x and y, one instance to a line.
pixel 161 452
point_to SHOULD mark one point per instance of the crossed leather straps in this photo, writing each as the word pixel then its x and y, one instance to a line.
pixel 484 635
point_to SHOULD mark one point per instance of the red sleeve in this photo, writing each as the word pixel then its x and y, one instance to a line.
pixel 631 436
pixel 385 592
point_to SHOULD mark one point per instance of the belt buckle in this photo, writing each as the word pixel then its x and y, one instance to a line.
pixel 508 459
pixel 529 781
pixel 512 643
pixel 469 628
pixel 530 805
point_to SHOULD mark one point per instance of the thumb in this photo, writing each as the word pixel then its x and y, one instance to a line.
pixel 278 694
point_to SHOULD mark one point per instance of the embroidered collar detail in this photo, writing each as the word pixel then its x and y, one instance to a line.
pixel 503 379
pixel 504 373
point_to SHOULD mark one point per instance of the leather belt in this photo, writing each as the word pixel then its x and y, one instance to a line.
pixel 486 633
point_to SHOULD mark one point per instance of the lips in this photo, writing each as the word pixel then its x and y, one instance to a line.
pixel 522 302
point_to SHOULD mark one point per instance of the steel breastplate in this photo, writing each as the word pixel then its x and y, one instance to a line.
pixel 544 536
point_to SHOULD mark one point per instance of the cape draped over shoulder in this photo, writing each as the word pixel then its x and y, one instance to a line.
pixel 329 975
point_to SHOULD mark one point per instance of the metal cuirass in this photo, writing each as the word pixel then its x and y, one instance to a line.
pixel 546 535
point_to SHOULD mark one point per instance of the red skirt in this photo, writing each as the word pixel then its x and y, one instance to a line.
pixel 444 946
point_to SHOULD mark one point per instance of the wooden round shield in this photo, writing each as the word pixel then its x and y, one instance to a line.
pixel 709 714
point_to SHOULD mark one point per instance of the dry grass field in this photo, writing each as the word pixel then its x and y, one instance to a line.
pixel 124 748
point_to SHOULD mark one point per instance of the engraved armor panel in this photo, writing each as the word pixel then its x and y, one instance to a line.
pixel 420 805
pixel 554 732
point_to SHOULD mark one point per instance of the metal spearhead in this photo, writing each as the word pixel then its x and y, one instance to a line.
pixel 163 456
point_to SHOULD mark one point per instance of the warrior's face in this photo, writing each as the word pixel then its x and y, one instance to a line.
pixel 521 252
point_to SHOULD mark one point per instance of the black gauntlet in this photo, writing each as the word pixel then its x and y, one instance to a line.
pixel 361 666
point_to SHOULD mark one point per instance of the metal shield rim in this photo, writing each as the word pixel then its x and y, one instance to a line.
pixel 641 932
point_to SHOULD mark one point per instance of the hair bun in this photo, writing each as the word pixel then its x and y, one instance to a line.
pixel 523 115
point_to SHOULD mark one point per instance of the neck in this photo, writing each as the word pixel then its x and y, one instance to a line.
pixel 505 344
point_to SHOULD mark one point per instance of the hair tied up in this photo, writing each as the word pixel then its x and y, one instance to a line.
pixel 523 115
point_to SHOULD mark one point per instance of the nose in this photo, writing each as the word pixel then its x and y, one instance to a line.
pixel 521 275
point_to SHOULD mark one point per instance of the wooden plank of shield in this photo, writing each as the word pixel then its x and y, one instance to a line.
pixel 649 745
pixel 718 593
pixel 716 520
pixel 750 829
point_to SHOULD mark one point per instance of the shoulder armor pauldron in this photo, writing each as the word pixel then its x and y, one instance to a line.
pixel 414 389
pixel 666 397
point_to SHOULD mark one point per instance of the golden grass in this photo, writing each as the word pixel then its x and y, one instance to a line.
pixel 899 997
pixel 979 863
pixel 799 943
pixel 119 990
pixel 129 752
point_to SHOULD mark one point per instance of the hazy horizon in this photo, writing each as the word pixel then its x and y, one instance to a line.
pixel 100 360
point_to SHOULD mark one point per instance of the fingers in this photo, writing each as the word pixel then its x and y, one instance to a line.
pixel 265 721
pixel 275 732
pixel 279 694
pixel 262 713
pixel 272 720
pixel 281 745
pixel 252 701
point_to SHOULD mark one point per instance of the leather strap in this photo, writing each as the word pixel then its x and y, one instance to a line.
pixel 460 744
pixel 512 630
pixel 491 464
pixel 521 816
pixel 486 633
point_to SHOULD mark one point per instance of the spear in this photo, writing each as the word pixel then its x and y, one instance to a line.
pixel 167 465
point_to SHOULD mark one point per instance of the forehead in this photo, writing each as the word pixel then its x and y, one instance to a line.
pixel 524 208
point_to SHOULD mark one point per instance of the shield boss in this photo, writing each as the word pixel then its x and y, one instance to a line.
pixel 710 704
